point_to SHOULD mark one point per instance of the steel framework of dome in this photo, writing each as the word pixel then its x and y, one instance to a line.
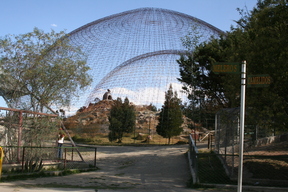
pixel 134 53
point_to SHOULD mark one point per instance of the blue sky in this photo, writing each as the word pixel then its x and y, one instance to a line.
pixel 21 16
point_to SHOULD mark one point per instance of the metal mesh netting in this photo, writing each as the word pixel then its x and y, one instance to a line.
pixel 134 53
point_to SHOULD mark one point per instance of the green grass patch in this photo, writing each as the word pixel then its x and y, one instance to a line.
pixel 96 188
pixel 24 176
pixel 211 170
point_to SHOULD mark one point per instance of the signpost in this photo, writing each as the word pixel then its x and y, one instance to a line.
pixel 262 80
pixel 242 123
pixel 234 68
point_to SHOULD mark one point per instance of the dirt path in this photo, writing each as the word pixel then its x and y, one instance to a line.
pixel 128 168
pixel 156 167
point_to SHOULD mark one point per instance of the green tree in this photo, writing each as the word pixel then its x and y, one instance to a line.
pixel 266 47
pixel 40 70
pixel 219 90
pixel 260 38
pixel 152 107
pixel 122 119
pixel 204 92
pixel 170 118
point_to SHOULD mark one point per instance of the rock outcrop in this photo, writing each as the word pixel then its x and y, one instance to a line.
pixel 95 117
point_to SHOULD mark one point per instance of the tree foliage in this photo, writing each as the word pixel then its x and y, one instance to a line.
pixel 41 68
pixel 267 50
pixel 122 119
pixel 260 38
pixel 170 117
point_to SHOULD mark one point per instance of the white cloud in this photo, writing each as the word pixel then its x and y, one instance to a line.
pixel 53 25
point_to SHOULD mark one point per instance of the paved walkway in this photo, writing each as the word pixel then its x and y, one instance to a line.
pixel 122 169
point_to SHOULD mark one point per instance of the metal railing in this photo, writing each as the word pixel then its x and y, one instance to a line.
pixel 193 159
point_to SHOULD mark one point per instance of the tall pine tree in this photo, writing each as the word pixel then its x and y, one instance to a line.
pixel 122 119
pixel 170 119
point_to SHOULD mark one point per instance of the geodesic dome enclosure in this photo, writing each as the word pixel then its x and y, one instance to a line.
pixel 134 53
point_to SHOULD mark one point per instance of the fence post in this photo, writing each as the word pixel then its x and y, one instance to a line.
pixel 19 135
pixel 1 160
pixel 65 158
pixel 193 158
pixel 209 141
pixel 95 157
pixel 23 156
pixel 72 156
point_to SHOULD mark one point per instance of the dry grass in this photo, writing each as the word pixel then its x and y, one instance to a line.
pixel 268 162
pixel 131 138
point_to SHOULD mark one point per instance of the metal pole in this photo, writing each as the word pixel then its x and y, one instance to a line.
pixel 23 158
pixel 71 140
pixel 1 160
pixel 65 158
pixel 72 158
pixel 95 157
pixel 19 135
pixel 149 130
pixel 208 141
pixel 242 123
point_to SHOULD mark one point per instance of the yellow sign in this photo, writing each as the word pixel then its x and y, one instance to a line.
pixel 262 80
pixel 1 160
pixel 225 67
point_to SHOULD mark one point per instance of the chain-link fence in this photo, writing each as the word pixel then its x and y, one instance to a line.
pixel 262 169
pixel 265 159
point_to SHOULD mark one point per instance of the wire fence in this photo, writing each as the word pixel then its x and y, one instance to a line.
pixel 35 159
pixel 262 165
pixel 29 142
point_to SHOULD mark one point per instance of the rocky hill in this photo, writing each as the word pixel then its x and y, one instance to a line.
pixel 95 117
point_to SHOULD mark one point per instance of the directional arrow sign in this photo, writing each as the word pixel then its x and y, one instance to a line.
pixel 262 80
pixel 226 67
